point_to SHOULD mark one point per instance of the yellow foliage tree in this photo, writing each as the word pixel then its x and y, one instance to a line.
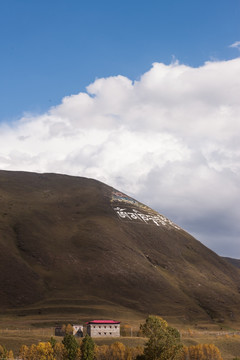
pixel 79 354
pixel 117 351
pixel 5 354
pixel 133 352
pixel 60 353
pixel 126 330
pixel 32 353
pixel 23 352
pixel 101 352
pixel 2 351
pixel 44 351
pixel 10 355
pixel 63 329
pixel 69 329
pixel 201 352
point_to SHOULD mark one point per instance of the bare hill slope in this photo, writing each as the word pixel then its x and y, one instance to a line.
pixel 70 241
pixel 234 262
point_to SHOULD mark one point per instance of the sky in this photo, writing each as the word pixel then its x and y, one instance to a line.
pixel 142 95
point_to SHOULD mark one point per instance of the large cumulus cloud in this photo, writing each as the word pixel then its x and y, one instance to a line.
pixel 170 139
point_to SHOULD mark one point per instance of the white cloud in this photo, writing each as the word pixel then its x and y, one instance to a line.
pixel 170 139
pixel 235 45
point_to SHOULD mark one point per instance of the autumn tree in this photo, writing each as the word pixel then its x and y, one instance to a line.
pixel 101 352
pixel 60 353
pixel 32 353
pixel 87 348
pixel 134 352
pixel 23 352
pixel 5 354
pixel 163 340
pixel 10 355
pixel 69 329
pixel 44 351
pixel 201 352
pixel 126 330
pixel 63 329
pixel 117 351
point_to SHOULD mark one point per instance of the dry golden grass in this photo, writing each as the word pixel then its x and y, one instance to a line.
pixel 16 331
pixel 229 345
pixel 13 339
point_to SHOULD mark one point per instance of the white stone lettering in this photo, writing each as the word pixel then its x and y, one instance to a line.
pixel 122 213
pixel 140 217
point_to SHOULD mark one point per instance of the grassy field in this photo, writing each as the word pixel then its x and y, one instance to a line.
pixel 16 331
pixel 229 345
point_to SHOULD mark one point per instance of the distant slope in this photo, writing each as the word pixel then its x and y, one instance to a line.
pixel 70 241
pixel 235 262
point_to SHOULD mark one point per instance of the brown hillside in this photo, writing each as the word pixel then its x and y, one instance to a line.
pixel 234 262
pixel 66 241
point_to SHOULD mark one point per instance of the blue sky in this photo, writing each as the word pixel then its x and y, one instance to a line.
pixel 50 49
pixel 142 95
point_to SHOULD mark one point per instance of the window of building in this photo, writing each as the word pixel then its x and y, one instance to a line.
pixel 110 327
pixel 115 327
pixel 99 327
pixel 94 327
pixel 99 333
pixel 110 333
pixel 105 327
pixel 105 333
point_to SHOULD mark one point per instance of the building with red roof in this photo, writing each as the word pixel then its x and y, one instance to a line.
pixel 103 328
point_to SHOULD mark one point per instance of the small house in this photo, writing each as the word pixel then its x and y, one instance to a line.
pixel 103 328
pixel 77 330
pixel 59 331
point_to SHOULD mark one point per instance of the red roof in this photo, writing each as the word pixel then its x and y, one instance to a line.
pixel 103 322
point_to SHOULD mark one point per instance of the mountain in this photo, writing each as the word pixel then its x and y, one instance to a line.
pixel 73 244
pixel 234 262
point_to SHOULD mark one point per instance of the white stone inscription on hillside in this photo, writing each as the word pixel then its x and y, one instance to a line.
pixel 140 217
